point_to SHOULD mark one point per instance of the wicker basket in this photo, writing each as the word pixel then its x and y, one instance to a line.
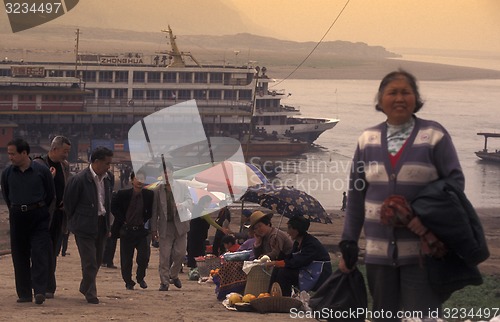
pixel 258 280
pixel 275 304
pixel 206 264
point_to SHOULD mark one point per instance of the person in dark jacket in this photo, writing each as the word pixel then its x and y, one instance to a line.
pixel 306 249
pixel 87 202
pixel 132 208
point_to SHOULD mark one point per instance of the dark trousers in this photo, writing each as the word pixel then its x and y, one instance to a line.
pixel 195 247
pixel 30 244
pixel 131 240
pixel 55 231
pixel 62 244
pixel 286 278
pixel 405 287
pixel 109 251
pixel 90 250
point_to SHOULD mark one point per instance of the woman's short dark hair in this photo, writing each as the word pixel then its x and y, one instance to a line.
pixel 228 239
pixel 412 81
pixel 300 224
pixel 20 144
pixel 100 153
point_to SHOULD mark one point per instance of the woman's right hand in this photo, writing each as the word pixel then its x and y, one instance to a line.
pixel 343 267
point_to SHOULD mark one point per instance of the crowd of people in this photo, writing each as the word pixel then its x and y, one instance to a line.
pixel 400 156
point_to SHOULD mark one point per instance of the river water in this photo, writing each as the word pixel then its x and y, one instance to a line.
pixel 462 107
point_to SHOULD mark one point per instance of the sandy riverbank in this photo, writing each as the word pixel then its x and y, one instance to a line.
pixel 194 302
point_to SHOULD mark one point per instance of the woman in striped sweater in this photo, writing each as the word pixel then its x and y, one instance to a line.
pixel 397 157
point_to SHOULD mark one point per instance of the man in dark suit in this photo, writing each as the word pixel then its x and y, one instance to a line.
pixel 87 202
pixel 132 208
pixel 28 189
pixel 56 161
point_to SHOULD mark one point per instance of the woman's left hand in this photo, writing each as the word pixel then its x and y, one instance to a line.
pixel 416 226
pixel 270 264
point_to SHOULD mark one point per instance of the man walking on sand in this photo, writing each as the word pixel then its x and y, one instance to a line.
pixel 56 161
pixel 170 224
pixel 28 189
pixel 132 208
pixel 87 202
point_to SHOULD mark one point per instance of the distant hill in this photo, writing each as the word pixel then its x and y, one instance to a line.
pixel 333 59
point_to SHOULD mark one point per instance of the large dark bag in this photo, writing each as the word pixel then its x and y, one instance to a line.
pixel 443 208
pixel 342 293
pixel 449 274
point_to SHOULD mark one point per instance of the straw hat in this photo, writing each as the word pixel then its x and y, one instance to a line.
pixel 256 217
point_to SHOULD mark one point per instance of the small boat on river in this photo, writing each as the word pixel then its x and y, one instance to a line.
pixel 485 154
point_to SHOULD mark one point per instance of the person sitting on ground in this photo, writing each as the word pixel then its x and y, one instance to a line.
pixel 230 243
pixel 269 241
pixel 248 244
pixel 306 249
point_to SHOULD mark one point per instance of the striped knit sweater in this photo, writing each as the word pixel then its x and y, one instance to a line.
pixel 428 155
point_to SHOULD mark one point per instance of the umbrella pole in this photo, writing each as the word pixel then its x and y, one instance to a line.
pixel 241 215
pixel 279 225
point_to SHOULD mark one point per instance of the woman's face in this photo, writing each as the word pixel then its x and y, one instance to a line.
pixel 292 232
pixel 260 229
pixel 398 101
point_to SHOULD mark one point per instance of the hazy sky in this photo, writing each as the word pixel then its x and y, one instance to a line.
pixel 442 24
pixel 393 24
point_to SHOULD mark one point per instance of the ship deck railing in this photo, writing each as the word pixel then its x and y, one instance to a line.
pixel 124 106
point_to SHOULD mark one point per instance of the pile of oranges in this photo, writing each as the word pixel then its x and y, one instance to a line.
pixel 214 272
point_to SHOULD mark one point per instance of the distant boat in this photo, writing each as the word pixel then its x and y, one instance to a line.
pixel 485 154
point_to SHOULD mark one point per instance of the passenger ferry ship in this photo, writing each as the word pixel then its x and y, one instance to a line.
pixel 234 101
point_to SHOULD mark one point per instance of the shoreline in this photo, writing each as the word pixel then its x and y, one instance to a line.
pixel 194 302
pixel 329 234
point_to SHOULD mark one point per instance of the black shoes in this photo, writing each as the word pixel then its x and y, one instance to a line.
pixel 24 300
pixel 129 287
pixel 49 295
pixel 176 281
pixel 93 300
pixel 143 284
pixel 39 298
pixel 163 288
pixel 109 266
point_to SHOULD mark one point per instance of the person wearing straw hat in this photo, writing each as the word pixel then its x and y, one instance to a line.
pixel 269 240
pixel 306 250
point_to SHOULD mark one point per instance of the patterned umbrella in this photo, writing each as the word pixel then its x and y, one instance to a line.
pixel 287 201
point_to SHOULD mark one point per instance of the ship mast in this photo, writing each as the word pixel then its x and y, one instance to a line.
pixel 76 51
pixel 175 53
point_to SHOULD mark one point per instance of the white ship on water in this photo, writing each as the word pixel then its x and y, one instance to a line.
pixel 234 101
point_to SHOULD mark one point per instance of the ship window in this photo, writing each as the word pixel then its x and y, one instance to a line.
pixel 4 72
pixel 70 73
pixel 169 77
pixel 229 95
pixel 121 77
pixel 216 78
pixel 168 94
pixel 200 94
pixel 154 77
pixel 139 77
pixel 215 95
pixel 106 76
pixel 152 94
pixel 184 94
pixel 138 94
pixel 55 73
pixel 104 93
pixel 200 78
pixel 120 93
pixel 245 94
pixel 185 77
pixel 89 76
